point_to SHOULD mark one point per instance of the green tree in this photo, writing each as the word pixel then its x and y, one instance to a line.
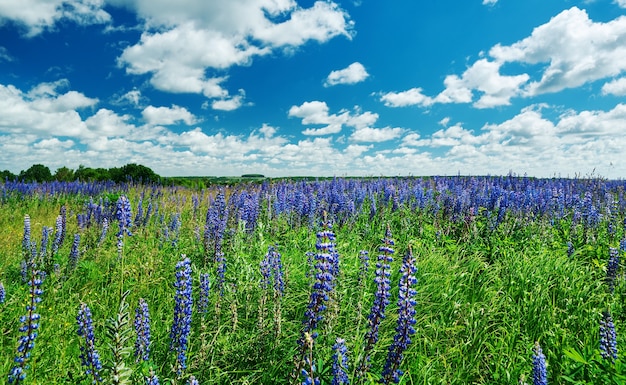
pixel 7 175
pixel 64 174
pixel 36 173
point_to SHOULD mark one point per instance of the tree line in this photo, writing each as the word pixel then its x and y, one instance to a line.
pixel 41 173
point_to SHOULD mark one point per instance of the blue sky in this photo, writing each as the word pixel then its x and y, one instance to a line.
pixel 323 88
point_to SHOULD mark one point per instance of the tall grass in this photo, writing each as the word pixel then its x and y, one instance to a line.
pixel 501 265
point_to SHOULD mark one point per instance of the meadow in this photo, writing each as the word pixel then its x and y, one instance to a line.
pixel 440 280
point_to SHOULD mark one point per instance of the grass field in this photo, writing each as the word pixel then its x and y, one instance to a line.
pixel 500 265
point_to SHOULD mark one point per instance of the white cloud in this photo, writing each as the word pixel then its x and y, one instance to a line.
pixel 370 134
pixel 168 115
pixel 411 97
pixel 575 50
pixel 621 3
pixel 489 2
pixel 317 113
pixel 184 47
pixel 229 104
pixel 352 74
pixel 615 87
pixel 38 15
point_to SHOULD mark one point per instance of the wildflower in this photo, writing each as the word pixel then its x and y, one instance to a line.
pixel 58 233
pixel 364 266
pixel 29 328
pixel 406 320
pixel 123 214
pixel 540 372
pixel 181 327
pixel 26 237
pixel 272 272
pixel 570 249
pixel 612 268
pixel 205 285
pixel 323 286
pixel 221 271
pixel 152 379
pixel 103 233
pixel 608 337
pixel 89 356
pixel 142 328
pixel 74 252
pixel 193 381
pixel 63 227
pixel 340 363
pixel 3 293
pixel 381 299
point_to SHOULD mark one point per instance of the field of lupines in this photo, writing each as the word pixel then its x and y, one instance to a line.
pixel 443 280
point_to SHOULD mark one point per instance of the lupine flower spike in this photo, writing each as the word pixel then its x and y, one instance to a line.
pixel 381 299
pixel 340 363
pixel 89 356
pixel 406 320
pixel 181 327
pixel 142 329
pixel 540 372
pixel 29 328
pixel 3 293
pixel 608 337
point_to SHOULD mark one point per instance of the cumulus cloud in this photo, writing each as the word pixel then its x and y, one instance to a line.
pixel 38 15
pixel 183 48
pixel 489 2
pixel 370 134
pixel 620 3
pixel 229 104
pixel 615 87
pixel 574 49
pixel 352 74
pixel 168 115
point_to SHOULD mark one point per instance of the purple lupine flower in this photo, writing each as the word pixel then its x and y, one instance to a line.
pixel 381 298
pixel 29 328
pixel 608 337
pixel 612 268
pixel 43 248
pixel 323 286
pixel 221 271
pixel 26 237
pixel 74 253
pixel 205 286
pixel 193 381
pixel 58 233
pixel 139 216
pixel 3 293
pixel 570 249
pixel 540 372
pixel 406 320
pixel 152 379
pixel 63 227
pixel 103 233
pixel 181 327
pixel 340 363
pixel 142 329
pixel 89 356
pixel 123 214
pixel 272 272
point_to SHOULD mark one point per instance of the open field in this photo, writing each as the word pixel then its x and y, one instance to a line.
pixel 499 265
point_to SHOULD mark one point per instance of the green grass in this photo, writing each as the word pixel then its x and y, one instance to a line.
pixel 484 296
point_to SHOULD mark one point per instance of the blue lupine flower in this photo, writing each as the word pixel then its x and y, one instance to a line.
pixel 63 227
pixel 58 233
pixel 381 298
pixel 205 286
pixel 74 252
pixel 340 363
pixel 152 379
pixel 26 237
pixel 181 327
pixel 540 372
pixel 29 328
pixel 272 272
pixel 221 272
pixel 612 268
pixel 323 286
pixel 142 329
pixel 364 265
pixel 103 233
pixel 406 320
pixel 608 337
pixel 193 381
pixel 123 214
pixel 89 356
pixel 3 293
